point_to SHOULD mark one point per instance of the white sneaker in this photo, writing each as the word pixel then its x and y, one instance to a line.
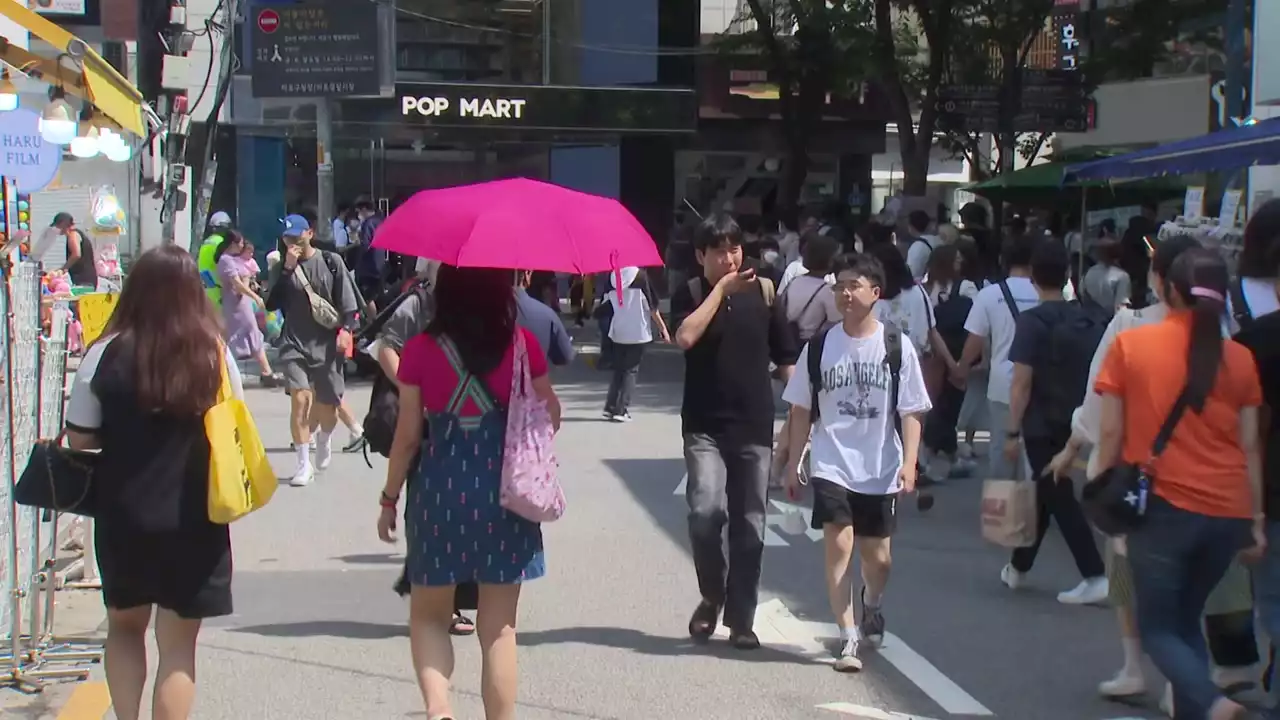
pixel 303 476
pixel 1013 578
pixel 324 453
pixel 1126 683
pixel 1091 591
pixel 966 451
pixel 847 660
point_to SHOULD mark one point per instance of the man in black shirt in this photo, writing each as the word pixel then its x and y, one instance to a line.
pixel 729 334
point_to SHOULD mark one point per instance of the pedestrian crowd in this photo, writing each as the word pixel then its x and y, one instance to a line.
pixel 890 356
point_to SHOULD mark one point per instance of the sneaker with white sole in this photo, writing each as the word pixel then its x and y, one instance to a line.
pixel 847 660
pixel 1125 684
pixel 303 477
pixel 872 625
pixel 1090 591
pixel 623 418
pixel 1011 577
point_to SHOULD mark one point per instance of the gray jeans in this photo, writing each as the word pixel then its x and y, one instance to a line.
pixel 626 367
pixel 728 484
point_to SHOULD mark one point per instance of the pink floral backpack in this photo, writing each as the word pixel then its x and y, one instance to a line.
pixel 529 468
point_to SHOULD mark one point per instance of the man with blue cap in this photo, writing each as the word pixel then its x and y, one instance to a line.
pixel 313 291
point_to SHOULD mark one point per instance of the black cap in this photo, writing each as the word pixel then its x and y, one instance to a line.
pixel 61 218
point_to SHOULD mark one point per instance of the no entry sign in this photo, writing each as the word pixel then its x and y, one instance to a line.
pixel 268 21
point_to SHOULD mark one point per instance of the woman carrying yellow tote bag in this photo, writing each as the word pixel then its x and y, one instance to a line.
pixel 240 476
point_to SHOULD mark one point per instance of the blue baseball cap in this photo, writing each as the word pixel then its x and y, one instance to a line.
pixel 295 225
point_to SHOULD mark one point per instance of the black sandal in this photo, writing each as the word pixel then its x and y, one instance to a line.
pixel 462 625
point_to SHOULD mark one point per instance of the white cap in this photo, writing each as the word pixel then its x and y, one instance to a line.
pixel 219 219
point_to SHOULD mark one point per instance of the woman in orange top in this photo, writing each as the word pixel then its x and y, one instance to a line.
pixel 1207 484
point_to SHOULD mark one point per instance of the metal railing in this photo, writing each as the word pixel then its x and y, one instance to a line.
pixel 33 373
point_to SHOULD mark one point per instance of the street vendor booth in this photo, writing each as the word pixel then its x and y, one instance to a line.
pixel 91 111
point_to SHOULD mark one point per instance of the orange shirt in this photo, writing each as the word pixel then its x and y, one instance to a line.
pixel 1202 469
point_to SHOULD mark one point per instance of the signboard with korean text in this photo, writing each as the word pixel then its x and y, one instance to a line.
pixel 326 48
pixel 1051 101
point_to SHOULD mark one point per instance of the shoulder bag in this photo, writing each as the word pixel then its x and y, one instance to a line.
pixel 1116 500
pixel 322 311
pixel 529 486
pixel 240 476
pixel 58 478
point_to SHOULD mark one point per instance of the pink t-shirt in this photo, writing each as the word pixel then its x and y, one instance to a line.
pixel 424 364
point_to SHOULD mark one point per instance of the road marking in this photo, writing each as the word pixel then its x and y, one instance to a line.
pixel 941 689
pixel 869 713
pixel 763 626
pixel 89 701
pixel 683 486
pixel 785 508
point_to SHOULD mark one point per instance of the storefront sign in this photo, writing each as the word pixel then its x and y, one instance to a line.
pixel 327 48
pixel 1067 26
pixel 538 107
pixel 25 157
pixel 498 108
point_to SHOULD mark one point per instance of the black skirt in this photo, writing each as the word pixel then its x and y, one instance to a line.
pixel 186 572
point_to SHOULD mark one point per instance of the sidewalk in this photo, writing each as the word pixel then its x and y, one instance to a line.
pixel 79 620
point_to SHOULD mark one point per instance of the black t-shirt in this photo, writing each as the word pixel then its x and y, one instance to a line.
pixel 1262 337
pixel 727 389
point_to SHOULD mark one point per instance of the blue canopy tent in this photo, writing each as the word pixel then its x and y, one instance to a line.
pixel 1244 146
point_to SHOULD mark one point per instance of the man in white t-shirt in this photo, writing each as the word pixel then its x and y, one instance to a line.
pixel 860 462
pixel 920 244
pixel 993 319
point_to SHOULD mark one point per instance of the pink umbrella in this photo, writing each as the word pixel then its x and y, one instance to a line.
pixel 519 224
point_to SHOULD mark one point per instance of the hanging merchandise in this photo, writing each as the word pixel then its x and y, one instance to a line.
pixel 107 211
pixel 1227 241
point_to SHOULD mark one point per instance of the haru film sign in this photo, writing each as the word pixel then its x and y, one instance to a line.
pixel 315 49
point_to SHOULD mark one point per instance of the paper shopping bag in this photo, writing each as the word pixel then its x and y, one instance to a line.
pixel 1009 512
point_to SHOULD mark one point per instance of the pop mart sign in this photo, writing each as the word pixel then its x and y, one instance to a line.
pixel 467 107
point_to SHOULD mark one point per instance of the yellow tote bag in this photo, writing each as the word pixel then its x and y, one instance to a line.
pixel 240 476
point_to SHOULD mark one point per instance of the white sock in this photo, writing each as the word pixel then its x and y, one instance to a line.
pixel 1132 656
pixel 849 633
pixel 303 452
pixel 322 438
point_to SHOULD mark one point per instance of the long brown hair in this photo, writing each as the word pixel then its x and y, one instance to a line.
pixel 175 335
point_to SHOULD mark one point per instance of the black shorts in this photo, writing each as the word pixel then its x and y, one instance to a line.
pixel 871 516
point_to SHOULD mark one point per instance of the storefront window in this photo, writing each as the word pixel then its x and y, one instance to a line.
pixel 470 41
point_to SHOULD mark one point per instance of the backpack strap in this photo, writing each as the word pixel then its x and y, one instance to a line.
pixel 813 364
pixel 695 290
pixel 468 385
pixel 1240 311
pixel 893 358
pixel 768 290
pixel 1008 299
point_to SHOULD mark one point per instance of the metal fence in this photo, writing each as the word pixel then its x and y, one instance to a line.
pixel 33 372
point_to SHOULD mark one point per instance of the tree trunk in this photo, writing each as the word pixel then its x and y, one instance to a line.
pixel 915 168
pixel 794 174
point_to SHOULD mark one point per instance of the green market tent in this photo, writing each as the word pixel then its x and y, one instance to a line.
pixel 1042 186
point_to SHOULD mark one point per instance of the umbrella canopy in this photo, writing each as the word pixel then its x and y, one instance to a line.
pixel 519 224
pixel 1048 185
pixel 1239 147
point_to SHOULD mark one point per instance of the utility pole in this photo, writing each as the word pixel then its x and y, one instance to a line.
pixel 324 168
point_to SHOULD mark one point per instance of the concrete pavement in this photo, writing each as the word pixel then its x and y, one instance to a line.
pixel 318 633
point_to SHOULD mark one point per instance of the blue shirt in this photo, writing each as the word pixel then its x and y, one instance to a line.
pixel 545 325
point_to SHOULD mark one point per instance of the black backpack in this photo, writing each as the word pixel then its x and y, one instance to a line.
pixel 892 358
pixel 384 399
pixel 949 318
pixel 1075 330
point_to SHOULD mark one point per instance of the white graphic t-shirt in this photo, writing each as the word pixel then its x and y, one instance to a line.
pixel 854 442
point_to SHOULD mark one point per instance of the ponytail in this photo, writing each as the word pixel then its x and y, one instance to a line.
pixel 1200 278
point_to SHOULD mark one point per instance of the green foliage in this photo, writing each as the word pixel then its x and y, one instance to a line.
pixel 1126 43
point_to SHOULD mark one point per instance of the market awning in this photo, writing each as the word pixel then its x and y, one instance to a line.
pixel 100 84
pixel 1239 147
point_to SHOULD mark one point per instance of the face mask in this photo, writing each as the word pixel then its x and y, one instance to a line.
pixel 769 256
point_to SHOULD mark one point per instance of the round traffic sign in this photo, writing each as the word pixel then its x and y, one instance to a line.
pixel 268 21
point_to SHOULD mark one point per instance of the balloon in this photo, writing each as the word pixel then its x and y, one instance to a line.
pixel 24 205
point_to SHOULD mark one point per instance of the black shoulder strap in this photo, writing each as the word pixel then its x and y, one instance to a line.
pixel 370 331
pixel 1240 311
pixel 955 288
pixel 1171 422
pixel 893 358
pixel 812 297
pixel 814 366
pixel 1008 298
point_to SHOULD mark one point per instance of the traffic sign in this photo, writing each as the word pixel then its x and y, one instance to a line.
pixel 268 21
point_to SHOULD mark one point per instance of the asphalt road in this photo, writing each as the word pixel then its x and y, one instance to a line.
pixel 318 632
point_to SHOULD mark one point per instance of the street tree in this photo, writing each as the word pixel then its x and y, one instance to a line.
pixel 806 45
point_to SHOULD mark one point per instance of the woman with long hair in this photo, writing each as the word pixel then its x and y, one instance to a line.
pixel 140 396
pixel 973 412
pixel 1206 501
pixel 239 298
pixel 1085 428
pixel 1254 293
pixel 951 297
pixel 459 375
pixel 906 304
